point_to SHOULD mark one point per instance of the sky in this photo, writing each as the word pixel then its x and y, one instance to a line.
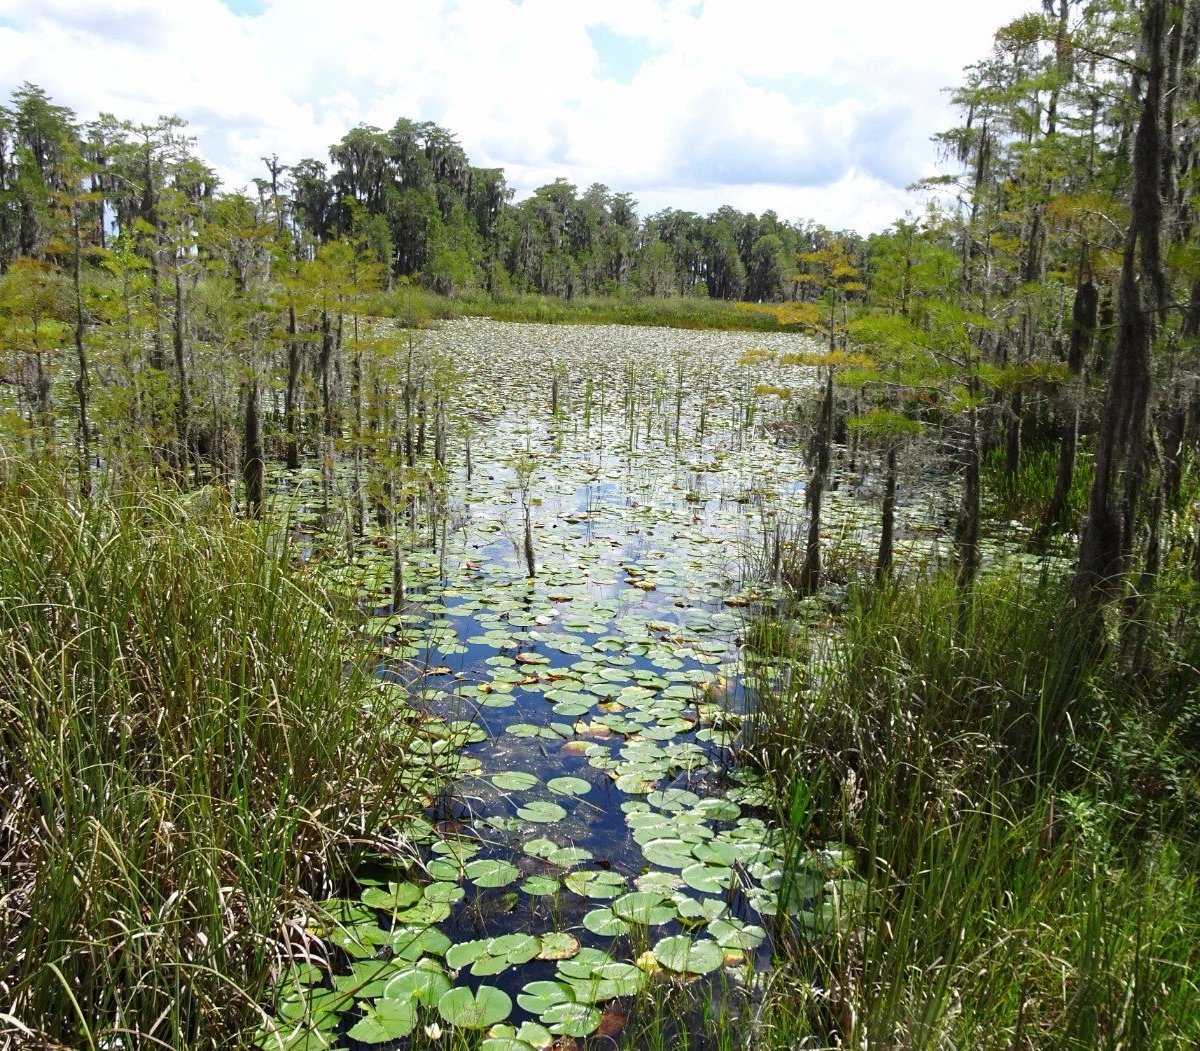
pixel 818 111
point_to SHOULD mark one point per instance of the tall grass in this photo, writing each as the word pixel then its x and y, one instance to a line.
pixel 1026 495
pixel 1017 895
pixel 185 753
pixel 417 307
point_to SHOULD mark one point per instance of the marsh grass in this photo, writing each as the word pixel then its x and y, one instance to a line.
pixel 417 307
pixel 186 754
pixel 1026 495
pixel 1020 893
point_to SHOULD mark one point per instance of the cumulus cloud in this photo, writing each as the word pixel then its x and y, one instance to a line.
pixel 816 111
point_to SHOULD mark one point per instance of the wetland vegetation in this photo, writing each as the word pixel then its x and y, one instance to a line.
pixel 433 621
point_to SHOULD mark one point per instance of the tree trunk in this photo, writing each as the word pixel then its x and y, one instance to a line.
pixel 325 367
pixel 81 379
pixel 530 567
pixel 183 407
pixel 966 531
pixel 253 467
pixel 1012 437
pixel 887 528
pixel 292 394
pixel 1083 330
pixel 810 572
pixel 1108 533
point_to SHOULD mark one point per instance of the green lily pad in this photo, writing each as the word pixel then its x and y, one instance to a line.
pixel 541 848
pixel 384 1021
pixel 569 856
pixel 568 786
pixel 425 985
pixel 515 948
pixel 462 954
pixel 444 892
pixel 732 933
pixel 539 997
pixel 644 907
pixel 558 945
pixel 486 1006
pixel 572 1019
pixel 514 781
pixel 593 883
pixel 708 879
pixel 506 1043
pixel 394 897
pixel 681 954
pixel 541 812
pixel 603 922
pixel 492 872
pixel 668 853
pixel 411 943
pixel 444 870
pixel 539 886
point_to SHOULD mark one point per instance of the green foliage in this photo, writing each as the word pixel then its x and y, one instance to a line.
pixel 1019 889
pixel 179 761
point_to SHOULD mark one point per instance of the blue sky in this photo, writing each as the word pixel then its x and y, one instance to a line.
pixel 817 111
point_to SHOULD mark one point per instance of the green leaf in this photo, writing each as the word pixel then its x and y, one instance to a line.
pixel 568 786
pixel 538 997
pixel 681 954
pixel 384 1021
pixel 644 907
pixel 486 1006
pixel 572 1019
pixel 538 886
pixel 395 897
pixel 558 946
pixel 464 953
pixel 492 872
pixel 515 948
pixel 603 922
pixel 541 812
pixel 514 781
pixel 596 883
pixel 732 933
pixel 425 985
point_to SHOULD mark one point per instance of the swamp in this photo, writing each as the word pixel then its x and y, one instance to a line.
pixel 430 619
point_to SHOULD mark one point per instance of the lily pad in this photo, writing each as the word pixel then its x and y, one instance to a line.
pixel 492 872
pixel 539 886
pixel 605 923
pixel 486 1006
pixel 558 946
pixel 644 907
pixel 394 897
pixel 384 1021
pixel 541 812
pixel 425 985
pixel 732 933
pixel 594 883
pixel 515 948
pixel 572 1019
pixel 539 997
pixel 568 786
pixel 681 954
pixel 514 781
pixel 668 853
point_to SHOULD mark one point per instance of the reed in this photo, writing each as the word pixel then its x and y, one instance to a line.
pixel 186 754
pixel 1017 892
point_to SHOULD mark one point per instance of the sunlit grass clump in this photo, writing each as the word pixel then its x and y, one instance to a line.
pixel 185 753
pixel 1007 789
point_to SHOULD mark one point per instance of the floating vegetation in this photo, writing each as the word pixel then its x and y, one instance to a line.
pixel 578 726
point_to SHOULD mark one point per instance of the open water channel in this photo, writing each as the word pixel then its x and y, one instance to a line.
pixel 593 847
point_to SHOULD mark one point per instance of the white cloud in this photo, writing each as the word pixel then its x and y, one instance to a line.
pixel 818 111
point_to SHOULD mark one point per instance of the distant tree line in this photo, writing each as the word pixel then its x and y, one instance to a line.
pixel 411 193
